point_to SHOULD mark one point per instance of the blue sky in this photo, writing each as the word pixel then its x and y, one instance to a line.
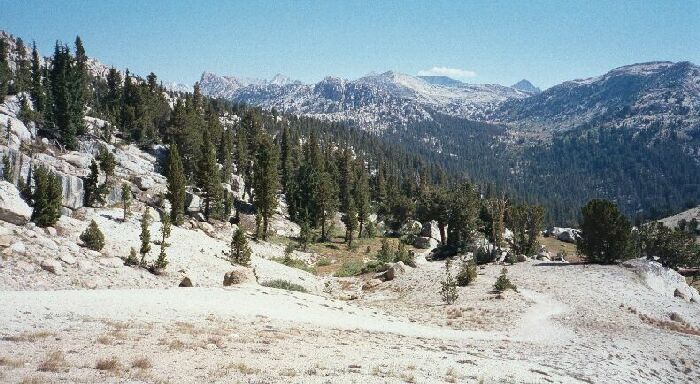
pixel 546 42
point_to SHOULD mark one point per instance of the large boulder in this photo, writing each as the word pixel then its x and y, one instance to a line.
pixel 193 202
pixel 239 275
pixel 425 242
pixel 663 280
pixel 431 229
pixel 52 266
pixel 569 235
pixel 12 208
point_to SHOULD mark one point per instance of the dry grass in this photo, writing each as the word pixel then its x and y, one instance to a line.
pixel 6 361
pixel 245 370
pixel 454 312
pixel 31 380
pixel 288 372
pixel 555 246
pixel 142 363
pixel 108 364
pixel 105 340
pixel 337 252
pixel 408 377
pixel 451 376
pixel 29 336
pixel 54 362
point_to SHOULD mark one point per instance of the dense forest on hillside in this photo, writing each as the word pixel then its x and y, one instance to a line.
pixel 647 176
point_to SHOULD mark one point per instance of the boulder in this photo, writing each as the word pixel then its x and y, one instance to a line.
pixel 425 242
pixel 12 208
pixel 47 243
pixel 675 316
pixel 51 231
pixel 393 270
pixel 431 229
pixel 144 182
pixel 51 265
pixel 521 258
pixel 186 282
pixel 193 202
pixel 370 284
pixel 569 235
pixel 18 248
pixel 663 280
pixel 67 258
pixel 679 294
pixel 77 159
pixel 239 275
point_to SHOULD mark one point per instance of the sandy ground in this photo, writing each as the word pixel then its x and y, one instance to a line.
pixel 95 320
pixel 566 324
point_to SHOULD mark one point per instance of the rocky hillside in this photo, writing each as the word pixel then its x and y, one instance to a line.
pixel 634 96
pixel 374 101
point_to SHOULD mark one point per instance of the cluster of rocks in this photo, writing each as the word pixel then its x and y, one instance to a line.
pixel 567 235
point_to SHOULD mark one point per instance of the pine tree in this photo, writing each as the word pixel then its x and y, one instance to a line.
pixel 361 196
pixel 305 235
pixel 326 203
pixel 208 179
pixel 37 90
pixel 107 162
pixel 126 200
pixel 64 112
pixel 7 171
pixel 463 216
pixel 176 186
pixel 266 181
pixel 162 261
pixel 350 220
pixel 240 252
pixel 145 235
pixel 605 232
pixel 5 72
pixel 79 90
pixel 92 237
pixel 94 192
pixel 46 198
pixel 23 68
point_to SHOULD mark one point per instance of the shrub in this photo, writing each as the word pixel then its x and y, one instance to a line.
pixel 483 256
pixel 349 268
pixel 323 262
pixel 467 273
pixel 131 259
pixel 374 266
pixel 385 254
pixel 403 255
pixel 511 258
pixel 448 290
pixel 293 263
pixel 283 284
pixel 503 283
pixel 93 237
pixel 109 364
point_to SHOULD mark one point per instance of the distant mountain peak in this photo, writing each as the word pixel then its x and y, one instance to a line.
pixel 442 80
pixel 526 86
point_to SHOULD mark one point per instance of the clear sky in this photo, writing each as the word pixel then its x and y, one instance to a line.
pixel 502 42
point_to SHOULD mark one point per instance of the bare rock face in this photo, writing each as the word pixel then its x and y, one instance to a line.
pixel 12 208
pixel 663 280
pixel 51 265
pixel 239 275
